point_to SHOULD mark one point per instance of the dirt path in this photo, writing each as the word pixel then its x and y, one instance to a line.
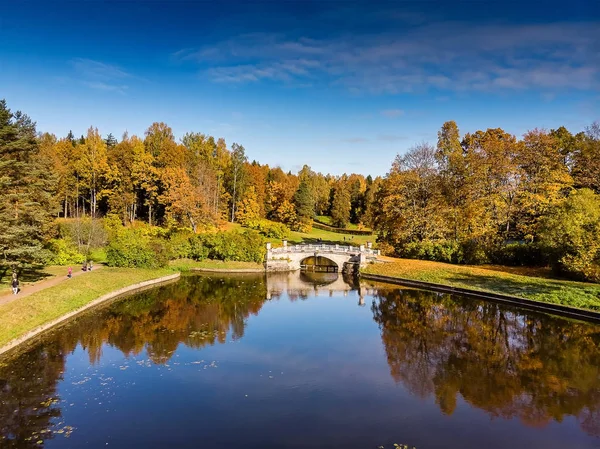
pixel 27 290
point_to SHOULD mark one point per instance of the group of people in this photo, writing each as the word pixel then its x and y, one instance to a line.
pixel 87 266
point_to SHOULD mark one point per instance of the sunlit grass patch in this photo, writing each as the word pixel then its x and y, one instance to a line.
pixel 576 294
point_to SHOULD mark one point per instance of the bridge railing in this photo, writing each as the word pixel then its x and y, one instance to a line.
pixel 323 248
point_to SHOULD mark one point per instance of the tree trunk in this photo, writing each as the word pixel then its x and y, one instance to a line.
pixel 233 198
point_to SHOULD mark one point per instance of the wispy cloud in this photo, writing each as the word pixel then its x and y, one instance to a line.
pixel 392 113
pixel 103 86
pixel 441 56
pixel 101 76
pixel 391 137
pixel 355 140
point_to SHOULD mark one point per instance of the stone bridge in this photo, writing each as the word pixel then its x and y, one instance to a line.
pixel 291 257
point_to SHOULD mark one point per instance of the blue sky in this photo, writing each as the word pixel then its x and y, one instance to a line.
pixel 341 86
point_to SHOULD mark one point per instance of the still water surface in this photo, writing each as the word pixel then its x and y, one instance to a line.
pixel 299 362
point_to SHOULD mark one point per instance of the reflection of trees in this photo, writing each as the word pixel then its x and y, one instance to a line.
pixel 198 311
pixel 531 366
pixel 28 397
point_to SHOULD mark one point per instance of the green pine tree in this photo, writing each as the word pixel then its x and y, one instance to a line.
pixel 303 199
pixel 26 190
pixel 110 141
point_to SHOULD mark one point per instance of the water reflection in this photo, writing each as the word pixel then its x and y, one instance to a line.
pixel 500 360
pixel 503 362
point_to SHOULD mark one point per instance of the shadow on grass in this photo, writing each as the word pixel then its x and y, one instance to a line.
pixel 552 291
pixel 28 274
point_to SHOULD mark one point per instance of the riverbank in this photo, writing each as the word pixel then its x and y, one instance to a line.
pixel 216 266
pixel 554 291
pixel 24 318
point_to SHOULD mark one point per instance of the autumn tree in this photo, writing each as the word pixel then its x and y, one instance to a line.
pixel 341 204
pixel 409 199
pixel 249 207
pixel 93 166
pixel 586 158
pixel 572 235
pixel 184 202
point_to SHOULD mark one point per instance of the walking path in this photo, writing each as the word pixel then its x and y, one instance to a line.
pixel 27 290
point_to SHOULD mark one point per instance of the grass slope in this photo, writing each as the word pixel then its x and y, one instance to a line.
pixel 328 220
pixel 576 294
pixel 315 235
pixel 23 315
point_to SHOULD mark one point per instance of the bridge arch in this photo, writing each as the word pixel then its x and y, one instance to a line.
pixel 319 263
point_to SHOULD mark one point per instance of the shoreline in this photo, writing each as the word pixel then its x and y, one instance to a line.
pixel 140 286
pixel 228 270
pixel 524 303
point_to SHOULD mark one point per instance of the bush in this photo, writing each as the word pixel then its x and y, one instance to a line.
pixel 247 246
pixel 64 252
pixel 270 229
pixel 519 254
pixel 180 245
pixel 130 247
pixel 435 250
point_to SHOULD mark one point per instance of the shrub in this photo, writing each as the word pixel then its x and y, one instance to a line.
pixel 270 229
pixel 180 244
pixel 519 254
pixel 247 246
pixel 303 225
pixel 198 251
pixel 129 247
pixel 64 252
pixel 436 250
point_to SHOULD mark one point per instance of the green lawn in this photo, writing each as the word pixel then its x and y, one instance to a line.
pixel 188 264
pixel 576 294
pixel 328 221
pixel 22 315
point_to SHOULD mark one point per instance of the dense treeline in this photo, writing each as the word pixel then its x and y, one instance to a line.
pixel 490 197
pixel 481 197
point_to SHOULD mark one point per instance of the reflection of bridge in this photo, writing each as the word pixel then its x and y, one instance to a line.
pixel 290 257
pixel 305 285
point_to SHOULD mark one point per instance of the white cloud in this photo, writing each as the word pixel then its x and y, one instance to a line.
pixel 101 76
pixel 442 56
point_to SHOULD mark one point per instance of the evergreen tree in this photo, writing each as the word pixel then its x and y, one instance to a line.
pixel 110 141
pixel 71 137
pixel 304 201
pixel 26 190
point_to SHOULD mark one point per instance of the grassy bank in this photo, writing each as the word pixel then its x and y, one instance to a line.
pixel 187 265
pixel 22 315
pixel 575 294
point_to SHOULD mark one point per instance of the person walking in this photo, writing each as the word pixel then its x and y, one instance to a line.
pixel 70 275
pixel 90 267
pixel 15 285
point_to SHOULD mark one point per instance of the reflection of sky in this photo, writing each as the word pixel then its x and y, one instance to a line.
pixel 306 374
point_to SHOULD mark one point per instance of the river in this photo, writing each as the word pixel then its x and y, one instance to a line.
pixel 304 361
